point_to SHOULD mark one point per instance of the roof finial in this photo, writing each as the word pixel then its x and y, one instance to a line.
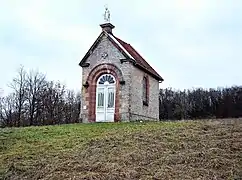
pixel 106 14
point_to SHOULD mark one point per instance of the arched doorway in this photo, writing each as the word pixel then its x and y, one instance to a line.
pixel 105 98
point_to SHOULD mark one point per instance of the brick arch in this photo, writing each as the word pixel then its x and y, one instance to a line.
pixel 108 67
pixel 91 90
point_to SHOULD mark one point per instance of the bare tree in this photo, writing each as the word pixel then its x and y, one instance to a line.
pixel 72 107
pixel 1 112
pixel 35 83
pixel 9 113
pixel 19 85
pixel 53 102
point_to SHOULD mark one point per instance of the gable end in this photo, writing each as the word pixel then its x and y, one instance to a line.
pixel 89 52
pixel 95 44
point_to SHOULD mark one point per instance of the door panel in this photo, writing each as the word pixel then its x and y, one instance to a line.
pixel 110 108
pixel 110 94
pixel 100 104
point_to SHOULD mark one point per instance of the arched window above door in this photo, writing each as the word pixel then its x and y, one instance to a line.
pixel 106 79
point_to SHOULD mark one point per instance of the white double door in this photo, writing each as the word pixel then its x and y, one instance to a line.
pixel 105 103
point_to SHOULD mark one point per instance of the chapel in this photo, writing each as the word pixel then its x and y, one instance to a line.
pixel 118 84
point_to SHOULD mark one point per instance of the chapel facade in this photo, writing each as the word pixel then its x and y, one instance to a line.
pixel 117 83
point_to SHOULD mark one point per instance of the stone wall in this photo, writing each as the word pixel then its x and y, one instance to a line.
pixel 138 110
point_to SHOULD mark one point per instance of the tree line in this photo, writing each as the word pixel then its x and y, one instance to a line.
pixel 201 103
pixel 37 101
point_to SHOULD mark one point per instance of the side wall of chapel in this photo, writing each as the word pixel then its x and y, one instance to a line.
pixel 138 110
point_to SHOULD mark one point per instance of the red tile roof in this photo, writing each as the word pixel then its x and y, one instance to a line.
pixel 138 58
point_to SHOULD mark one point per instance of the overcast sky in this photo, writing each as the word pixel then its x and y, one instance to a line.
pixel 191 43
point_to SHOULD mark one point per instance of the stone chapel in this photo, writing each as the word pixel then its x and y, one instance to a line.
pixel 117 82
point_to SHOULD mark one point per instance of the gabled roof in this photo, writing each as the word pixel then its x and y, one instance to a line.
pixel 128 51
pixel 140 61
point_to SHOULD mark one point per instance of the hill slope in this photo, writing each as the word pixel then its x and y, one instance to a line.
pixel 162 150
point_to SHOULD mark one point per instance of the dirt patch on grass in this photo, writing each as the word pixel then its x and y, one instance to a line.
pixel 197 150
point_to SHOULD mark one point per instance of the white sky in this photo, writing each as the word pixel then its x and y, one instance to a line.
pixel 191 43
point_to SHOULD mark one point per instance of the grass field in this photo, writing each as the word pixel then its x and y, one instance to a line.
pixel 154 150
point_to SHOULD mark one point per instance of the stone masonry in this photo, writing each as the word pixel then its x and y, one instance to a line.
pixel 114 57
pixel 129 103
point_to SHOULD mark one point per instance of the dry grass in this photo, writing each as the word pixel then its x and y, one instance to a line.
pixel 163 150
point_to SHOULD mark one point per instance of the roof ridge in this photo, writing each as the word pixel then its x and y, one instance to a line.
pixel 135 51
pixel 116 40
pixel 141 57
pixel 137 57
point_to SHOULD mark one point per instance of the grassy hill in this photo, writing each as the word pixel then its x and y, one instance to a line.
pixel 154 150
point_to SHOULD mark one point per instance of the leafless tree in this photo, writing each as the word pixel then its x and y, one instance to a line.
pixel 53 102
pixel 18 85
pixel 9 113
pixel 1 112
pixel 35 83
pixel 36 101
pixel 72 107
